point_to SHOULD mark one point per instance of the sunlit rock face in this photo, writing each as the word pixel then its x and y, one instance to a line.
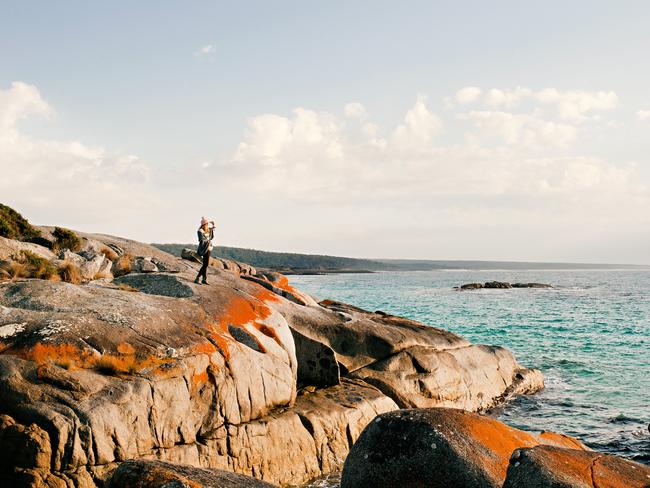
pixel 246 374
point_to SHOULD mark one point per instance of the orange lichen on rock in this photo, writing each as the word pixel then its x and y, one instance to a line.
pixel 200 378
pixel 125 348
pixel 51 353
pixel 502 440
pixel 68 356
pixel 239 312
pixel 561 440
pixel 124 363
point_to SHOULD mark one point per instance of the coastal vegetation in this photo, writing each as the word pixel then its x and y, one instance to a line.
pixel 15 226
pixel 65 239
pixel 297 263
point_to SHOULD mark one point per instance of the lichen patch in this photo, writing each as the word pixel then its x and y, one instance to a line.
pixel 11 329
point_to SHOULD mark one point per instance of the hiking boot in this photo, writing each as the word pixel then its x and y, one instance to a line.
pixel 204 282
pixel 196 280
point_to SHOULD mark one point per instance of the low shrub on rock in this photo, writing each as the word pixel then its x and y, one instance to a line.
pixel 65 239
pixel 15 226
pixel 37 267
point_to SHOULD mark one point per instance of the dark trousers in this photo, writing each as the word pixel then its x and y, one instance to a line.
pixel 204 267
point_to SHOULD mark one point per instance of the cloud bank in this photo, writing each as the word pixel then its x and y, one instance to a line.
pixel 77 181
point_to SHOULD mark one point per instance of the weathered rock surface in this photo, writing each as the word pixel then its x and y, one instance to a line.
pixel 158 474
pixel 438 448
pixel 555 467
pixel 10 248
pixel 153 366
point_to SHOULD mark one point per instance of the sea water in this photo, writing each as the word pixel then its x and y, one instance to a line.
pixel 589 335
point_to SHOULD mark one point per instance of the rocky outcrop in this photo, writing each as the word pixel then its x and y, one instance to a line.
pixel 158 474
pixel 547 466
pixel 501 285
pixel 438 448
pixel 247 374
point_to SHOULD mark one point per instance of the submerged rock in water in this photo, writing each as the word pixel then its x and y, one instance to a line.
pixel 547 466
pixel 438 448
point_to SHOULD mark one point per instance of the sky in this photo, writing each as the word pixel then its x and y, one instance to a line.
pixel 500 130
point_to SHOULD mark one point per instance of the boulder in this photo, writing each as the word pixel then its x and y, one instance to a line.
pixel 556 467
pixel 142 264
pixel 438 448
pixel 10 248
pixel 190 255
pixel 414 364
pixel 158 474
pixel 471 377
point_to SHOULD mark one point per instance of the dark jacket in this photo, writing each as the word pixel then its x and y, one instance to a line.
pixel 205 241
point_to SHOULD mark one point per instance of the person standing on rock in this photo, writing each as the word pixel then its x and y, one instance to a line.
pixel 206 234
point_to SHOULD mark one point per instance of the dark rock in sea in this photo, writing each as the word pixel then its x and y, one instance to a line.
pixel 555 467
pixel 438 448
pixel 497 284
pixel 531 285
pixel 500 285
pixel 158 474
pixel 471 286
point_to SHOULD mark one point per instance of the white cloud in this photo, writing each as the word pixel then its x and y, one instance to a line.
pixel 643 114
pixel 419 127
pixel 522 129
pixel 66 175
pixel 576 105
pixel 506 98
pixel 18 102
pixel 355 110
pixel 468 94
pixel 573 106
pixel 205 50
pixel 336 163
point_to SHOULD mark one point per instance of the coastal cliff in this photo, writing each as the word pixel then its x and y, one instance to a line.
pixel 133 360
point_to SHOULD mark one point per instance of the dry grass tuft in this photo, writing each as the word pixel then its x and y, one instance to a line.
pixel 37 267
pixel 114 365
pixel 103 274
pixel 65 363
pixel 125 287
pixel 109 253
pixel 123 266
pixel 70 273
pixel 18 270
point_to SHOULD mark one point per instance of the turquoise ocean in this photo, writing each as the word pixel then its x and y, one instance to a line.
pixel 589 335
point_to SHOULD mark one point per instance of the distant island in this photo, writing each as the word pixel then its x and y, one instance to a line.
pixel 296 263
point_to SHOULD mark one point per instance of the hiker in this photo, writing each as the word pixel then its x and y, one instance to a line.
pixel 206 234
